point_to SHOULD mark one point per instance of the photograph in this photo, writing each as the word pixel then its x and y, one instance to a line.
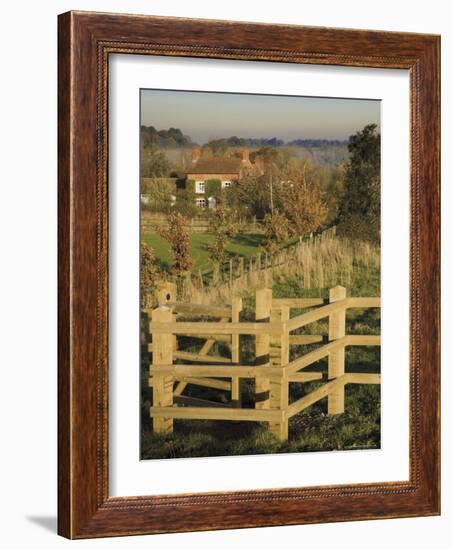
pixel 259 274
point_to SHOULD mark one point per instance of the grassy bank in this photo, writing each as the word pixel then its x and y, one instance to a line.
pixel 245 245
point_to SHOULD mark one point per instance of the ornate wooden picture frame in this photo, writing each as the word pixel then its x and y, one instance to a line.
pixel 86 41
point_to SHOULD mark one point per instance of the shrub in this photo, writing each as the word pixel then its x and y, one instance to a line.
pixel 177 233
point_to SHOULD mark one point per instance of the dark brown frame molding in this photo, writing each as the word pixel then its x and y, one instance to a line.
pixel 85 42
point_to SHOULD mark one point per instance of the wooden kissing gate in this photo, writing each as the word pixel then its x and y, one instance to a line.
pixel 272 369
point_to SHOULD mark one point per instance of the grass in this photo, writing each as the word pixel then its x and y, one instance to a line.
pixel 241 245
pixel 313 430
pixel 309 271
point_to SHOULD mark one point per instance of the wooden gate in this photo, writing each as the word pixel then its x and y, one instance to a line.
pixel 272 370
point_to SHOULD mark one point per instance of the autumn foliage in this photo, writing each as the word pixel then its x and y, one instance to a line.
pixel 224 225
pixel 177 232
pixel 304 204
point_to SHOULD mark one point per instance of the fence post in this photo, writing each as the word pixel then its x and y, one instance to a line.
pixel 236 308
pixel 241 266
pixel 263 310
pixel 279 388
pixel 166 292
pixel 336 360
pixel 162 354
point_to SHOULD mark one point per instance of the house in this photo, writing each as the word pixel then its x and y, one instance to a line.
pixel 219 169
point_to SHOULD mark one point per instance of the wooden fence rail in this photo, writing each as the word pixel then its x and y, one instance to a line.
pixel 272 370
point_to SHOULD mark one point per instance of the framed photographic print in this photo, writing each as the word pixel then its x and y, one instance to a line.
pixel 248 275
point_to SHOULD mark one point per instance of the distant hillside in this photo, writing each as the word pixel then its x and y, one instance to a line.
pixel 165 139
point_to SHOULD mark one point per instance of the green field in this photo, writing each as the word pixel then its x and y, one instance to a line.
pixel 241 245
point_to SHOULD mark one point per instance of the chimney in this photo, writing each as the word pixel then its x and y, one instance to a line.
pixel 245 155
pixel 195 154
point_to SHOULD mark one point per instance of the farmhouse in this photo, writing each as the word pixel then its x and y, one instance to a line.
pixel 222 170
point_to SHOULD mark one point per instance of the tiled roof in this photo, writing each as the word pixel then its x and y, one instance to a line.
pixel 216 166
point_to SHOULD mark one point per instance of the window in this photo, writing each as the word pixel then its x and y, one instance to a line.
pixel 201 203
pixel 200 187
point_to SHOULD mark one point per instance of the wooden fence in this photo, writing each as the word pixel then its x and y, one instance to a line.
pixel 239 266
pixel 272 370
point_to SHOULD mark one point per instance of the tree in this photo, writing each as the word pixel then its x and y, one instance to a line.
pixel 332 179
pixel 359 213
pixel 276 229
pixel 224 225
pixel 177 233
pixel 260 193
pixel 161 193
pixel 154 163
pixel 148 271
pixel 185 201
pixel 303 202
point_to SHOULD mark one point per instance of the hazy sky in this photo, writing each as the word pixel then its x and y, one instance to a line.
pixel 207 115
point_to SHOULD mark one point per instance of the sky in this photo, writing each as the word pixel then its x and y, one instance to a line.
pixel 209 115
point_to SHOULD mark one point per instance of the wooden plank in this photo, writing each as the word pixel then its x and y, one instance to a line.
pixel 263 311
pixel 303 339
pixel 202 309
pixel 336 358
pixel 216 413
pixel 236 308
pixel 297 302
pixel 363 340
pixel 305 376
pixel 222 371
pixel 316 314
pixel 200 381
pixel 362 378
pixel 208 383
pixel 216 337
pixel 200 358
pixel 313 356
pixel 313 397
pixel 162 387
pixel 364 302
pixel 279 388
pixel 189 328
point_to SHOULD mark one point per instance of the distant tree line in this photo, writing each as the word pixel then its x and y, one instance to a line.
pixel 165 139
pixel 220 145
pixel 317 142
pixel 174 137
